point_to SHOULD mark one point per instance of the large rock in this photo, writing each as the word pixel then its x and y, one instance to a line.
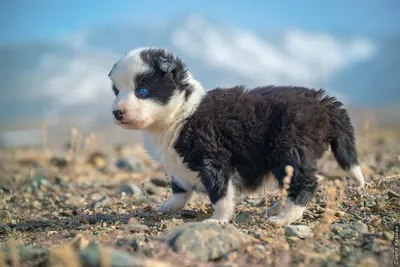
pixel 301 231
pixel 205 241
pixel 116 258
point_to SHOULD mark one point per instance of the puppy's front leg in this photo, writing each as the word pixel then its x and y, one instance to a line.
pixel 222 199
pixel 180 197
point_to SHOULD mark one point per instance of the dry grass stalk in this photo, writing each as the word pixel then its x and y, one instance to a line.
pixel 44 140
pixel 332 204
pixel 14 253
pixel 104 257
pixel 367 132
pixel 3 260
pixel 66 255
pixel 286 184
pixel 74 134
pixel 78 143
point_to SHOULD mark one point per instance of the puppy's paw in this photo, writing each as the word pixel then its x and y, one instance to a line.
pixel 166 208
pixel 271 211
pixel 278 220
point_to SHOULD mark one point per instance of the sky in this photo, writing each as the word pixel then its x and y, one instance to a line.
pixel 26 20
pixel 55 55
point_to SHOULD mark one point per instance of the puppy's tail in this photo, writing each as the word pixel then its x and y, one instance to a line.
pixel 343 140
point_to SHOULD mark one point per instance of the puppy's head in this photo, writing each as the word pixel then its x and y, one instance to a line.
pixel 150 85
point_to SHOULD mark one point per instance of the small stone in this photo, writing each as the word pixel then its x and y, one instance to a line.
pixel 260 248
pixel 376 222
pixel 104 201
pixel 159 182
pixel 129 165
pixel 368 262
pixel 347 233
pixel 136 228
pixel 37 182
pixel 4 229
pixel 130 189
pixel 243 217
pixel 231 256
pixel 80 242
pixel 361 228
pixel 313 225
pixel 388 235
pixel 372 247
pixel 393 194
pixel 97 159
pixel 59 162
pixel 189 213
pixel 27 253
pixel 155 190
pixel 91 257
pixel 301 231
pixel 341 214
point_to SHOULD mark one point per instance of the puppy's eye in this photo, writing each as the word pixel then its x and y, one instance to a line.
pixel 115 90
pixel 143 92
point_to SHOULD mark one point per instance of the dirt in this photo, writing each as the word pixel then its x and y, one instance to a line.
pixel 56 206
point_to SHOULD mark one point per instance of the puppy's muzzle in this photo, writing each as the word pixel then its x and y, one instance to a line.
pixel 118 114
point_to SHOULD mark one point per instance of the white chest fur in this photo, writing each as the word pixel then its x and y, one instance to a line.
pixel 161 149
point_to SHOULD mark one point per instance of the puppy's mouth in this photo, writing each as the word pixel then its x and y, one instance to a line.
pixel 132 124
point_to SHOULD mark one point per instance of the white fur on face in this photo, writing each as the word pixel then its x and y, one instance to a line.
pixel 139 113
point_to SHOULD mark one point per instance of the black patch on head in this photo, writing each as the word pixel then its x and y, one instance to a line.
pixel 242 136
pixel 168 74
pixel 115 90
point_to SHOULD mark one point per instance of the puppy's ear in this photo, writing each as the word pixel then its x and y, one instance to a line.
pixel 166 63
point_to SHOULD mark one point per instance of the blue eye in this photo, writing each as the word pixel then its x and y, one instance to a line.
pixel 143 92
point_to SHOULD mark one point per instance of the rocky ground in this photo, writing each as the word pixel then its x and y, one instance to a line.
pixel 98 207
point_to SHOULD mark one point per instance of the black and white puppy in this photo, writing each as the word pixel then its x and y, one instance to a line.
pixel 229 141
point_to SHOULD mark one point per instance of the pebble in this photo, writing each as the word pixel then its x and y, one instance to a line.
pixel 103 201
pixel 243 217
pixel 361 228
pixel 27 253
pixel 313 225
pixel 130 165
pixel 136 228
pixel 393 194
pixel 301 231
pixel 189 213
pixel 388 235
pixel 97 159
pixel 131 190
pixel 4 229
pixel 59 161
pixel 159 182
pixel 375 222
pixel 154 190
pixel 91 257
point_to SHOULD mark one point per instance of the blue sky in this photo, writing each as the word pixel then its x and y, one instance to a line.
pixel 48 19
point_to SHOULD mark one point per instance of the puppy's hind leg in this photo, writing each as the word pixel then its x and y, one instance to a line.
pixel 301 190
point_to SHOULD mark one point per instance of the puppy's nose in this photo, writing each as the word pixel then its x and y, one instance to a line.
pixel 118 114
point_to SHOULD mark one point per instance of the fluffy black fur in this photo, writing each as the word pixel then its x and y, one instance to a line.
pixel 166 74
pixel 244 135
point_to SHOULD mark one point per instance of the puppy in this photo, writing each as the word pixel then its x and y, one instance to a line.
pixel 229 141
